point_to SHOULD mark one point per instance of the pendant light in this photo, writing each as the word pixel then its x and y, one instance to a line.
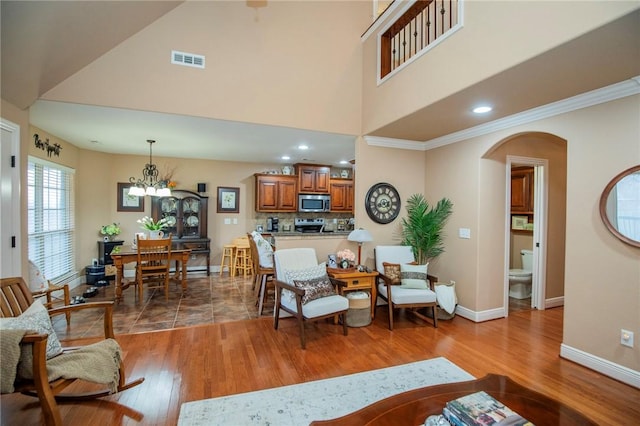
pixel 149 184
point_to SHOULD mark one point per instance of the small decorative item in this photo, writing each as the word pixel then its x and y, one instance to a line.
pixel 110 231
pixel 347 257
pixel 518 222
pixel 332 262
pixel 286 170
pixel 228 200
pixel 154 228
pixel 344 173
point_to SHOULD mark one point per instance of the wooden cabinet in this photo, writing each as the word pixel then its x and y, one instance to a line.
pixel 341 191
pixel 522 190
pixel 312 178
pixel 186 213
pixel 276 193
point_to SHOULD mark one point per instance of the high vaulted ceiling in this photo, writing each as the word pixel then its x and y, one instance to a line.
pixel 45 42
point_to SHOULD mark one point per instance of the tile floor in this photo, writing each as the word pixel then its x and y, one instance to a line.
pixel 208 299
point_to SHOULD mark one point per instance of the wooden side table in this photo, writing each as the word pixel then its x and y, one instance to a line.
pixel 358 281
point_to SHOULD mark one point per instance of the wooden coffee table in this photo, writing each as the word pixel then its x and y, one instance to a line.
pixel 413 407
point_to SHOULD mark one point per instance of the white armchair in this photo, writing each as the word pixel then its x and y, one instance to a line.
pixel 397 295
pixel 312 301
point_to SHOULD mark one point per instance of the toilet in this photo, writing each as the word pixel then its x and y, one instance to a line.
pixel 520 279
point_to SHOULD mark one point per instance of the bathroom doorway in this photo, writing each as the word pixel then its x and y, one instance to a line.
pixel 526 234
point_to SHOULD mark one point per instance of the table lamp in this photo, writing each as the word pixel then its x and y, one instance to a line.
pixel 360 236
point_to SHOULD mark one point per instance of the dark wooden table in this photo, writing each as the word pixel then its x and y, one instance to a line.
pixel 413 407
pixel 126 254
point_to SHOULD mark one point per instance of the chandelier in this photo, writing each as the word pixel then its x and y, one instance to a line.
pixel 149 184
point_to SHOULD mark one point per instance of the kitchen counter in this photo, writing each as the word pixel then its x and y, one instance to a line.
pixel 309 234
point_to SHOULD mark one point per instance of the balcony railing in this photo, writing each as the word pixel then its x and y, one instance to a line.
pixel 424 22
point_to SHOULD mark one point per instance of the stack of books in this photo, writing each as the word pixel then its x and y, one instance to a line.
pixel 481 409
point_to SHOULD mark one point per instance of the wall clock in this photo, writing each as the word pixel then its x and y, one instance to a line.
pixel 382 203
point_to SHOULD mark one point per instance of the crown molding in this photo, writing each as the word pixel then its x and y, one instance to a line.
pixel 394 143
pixel 599 96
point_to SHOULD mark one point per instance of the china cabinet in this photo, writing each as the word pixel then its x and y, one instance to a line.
pixel 186 214
pixel 276 193
pixel 312 178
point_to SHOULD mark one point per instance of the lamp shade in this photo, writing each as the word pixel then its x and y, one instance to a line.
pixel 360 235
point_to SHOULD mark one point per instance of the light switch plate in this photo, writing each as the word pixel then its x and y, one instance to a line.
pixel 227 221
pixel 464 233
pixel 235 221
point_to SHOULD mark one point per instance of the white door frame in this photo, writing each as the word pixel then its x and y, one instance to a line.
pixel 540 193
pixel 11 225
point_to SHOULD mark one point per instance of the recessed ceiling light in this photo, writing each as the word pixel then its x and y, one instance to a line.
pixel 286 157
pixel 303 147
pixel 344 162
pixel 482 109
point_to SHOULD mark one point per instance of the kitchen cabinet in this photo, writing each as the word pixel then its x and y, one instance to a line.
pixel 312 178
pixel 186 214
pixel 276 193
pixel 341 191
pixel 522 190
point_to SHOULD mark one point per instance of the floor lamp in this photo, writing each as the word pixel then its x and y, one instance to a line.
pixel 360 236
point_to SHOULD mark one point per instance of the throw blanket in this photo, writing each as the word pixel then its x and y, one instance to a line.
pixel 97 363
pixel 10 350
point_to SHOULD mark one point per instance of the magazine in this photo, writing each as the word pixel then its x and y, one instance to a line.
pixel 481 409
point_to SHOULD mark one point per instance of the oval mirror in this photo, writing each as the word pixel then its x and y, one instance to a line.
pixel 620 206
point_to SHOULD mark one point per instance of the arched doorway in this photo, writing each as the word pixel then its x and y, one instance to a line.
pixel 542 225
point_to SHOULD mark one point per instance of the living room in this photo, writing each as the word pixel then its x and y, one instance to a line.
pixel 461 171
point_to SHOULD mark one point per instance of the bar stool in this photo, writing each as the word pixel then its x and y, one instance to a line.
pixel 228 253
pixel 243 262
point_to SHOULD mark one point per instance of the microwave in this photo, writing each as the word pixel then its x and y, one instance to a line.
pixel 314 203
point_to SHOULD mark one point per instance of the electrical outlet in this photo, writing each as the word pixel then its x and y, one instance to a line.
pixel 235 221
pixel 626 338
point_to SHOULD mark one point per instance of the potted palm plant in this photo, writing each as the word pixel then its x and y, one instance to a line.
pixel 422 228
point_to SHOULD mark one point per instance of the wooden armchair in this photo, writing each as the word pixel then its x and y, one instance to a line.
pixel 399 296
pixel 15 299
pixel 291 265
pixel 46 289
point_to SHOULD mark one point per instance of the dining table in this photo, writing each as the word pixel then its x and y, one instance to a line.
pixel 121 255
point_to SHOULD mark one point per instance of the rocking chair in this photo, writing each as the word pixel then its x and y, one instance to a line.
pixel 15 299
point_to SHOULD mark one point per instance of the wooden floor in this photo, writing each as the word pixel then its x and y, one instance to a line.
pixel 192 363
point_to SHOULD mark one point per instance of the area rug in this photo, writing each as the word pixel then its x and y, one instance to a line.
pixel 303 403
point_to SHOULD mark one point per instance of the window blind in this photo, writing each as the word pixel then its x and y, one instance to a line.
pixel 50 218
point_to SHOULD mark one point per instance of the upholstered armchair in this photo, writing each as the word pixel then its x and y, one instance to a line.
pixel 304 290
pixel 403 284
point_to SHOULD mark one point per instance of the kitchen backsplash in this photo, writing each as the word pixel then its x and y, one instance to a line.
pixel 333 221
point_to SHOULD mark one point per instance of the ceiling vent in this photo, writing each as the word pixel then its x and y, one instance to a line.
pixel 187 59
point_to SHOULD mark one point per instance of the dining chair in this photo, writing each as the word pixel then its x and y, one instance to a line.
pixel 263 269
pixel 153 265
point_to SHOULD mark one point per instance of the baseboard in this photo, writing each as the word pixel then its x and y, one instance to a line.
pixel 554 302
pixel 608 368
pixel 481 316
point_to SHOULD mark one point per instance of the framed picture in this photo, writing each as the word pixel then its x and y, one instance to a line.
pixel 228 200
pixel 126 202
pixel 519 222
